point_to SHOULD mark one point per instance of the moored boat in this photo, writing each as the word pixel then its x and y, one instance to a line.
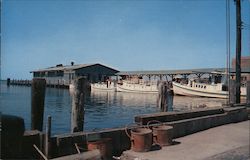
pixel 103 86
pixel 141 87
pixel 203 89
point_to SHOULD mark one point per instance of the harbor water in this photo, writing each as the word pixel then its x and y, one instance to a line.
pixel 102 109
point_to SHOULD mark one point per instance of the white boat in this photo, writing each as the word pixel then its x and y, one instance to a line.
pixel 71 88
pixel 142 87
pixel 203 89
pixel 103 86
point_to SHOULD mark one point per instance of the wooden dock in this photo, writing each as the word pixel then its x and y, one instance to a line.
pixel 28 83
pixel 183 123
pixel 19 82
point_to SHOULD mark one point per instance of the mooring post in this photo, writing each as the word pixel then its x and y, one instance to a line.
pixel 170 97
pixel 37 103
pixel 159 95
pixel 47 137
pixel 238 51
pixel 232 96
pixel 162 100
pixel 8 81
pixel 248 94
pixel 77 113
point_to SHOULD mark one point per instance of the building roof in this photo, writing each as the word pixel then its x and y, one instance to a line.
pixel 245 62
pixel 243 70
pixel 141 73
pixel 61 67
pixel 172 72
pixel 180 72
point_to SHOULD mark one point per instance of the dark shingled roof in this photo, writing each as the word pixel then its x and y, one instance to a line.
pixel 68 67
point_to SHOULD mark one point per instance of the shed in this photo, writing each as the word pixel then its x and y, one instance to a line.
pixel 64 74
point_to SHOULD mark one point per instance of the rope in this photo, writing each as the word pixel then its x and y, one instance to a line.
pixel 77 148
pixel 40 152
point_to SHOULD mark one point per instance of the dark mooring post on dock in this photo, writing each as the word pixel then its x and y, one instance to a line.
pixel 77 113
pixel 8 81
pixel 37 103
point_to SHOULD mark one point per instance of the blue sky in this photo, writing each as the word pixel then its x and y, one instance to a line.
pixel 126 35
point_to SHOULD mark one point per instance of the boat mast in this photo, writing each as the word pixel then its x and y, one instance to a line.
pixel 238 50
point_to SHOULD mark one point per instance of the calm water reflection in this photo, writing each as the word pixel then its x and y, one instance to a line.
pixel 102 110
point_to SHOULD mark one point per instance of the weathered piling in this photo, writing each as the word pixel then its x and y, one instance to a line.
pixel 248 94
pixel 8 81
pixel 162 93
pixel 77 113
pixel 48 137
pixel 170 98
pixel 165 97
pixel 232 96
pixel 37 103
pixel 238 51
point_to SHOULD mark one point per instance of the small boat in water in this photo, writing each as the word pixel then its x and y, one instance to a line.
pixel 140 87
pixel 100 86
pixel 71 88
pixel 193 88
pixel 103 86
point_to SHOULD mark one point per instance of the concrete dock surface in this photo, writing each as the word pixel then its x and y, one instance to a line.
pixel 229 141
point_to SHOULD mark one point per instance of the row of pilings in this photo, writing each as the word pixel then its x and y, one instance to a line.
pixel 20 82
pixel 12 141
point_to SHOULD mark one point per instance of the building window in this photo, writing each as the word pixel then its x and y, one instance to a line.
pixel 51 74
pixel 42 74
pixel 60 73
pixel 36 74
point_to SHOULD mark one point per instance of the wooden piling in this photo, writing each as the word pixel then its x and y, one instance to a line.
pixel 232 96
pixel 78 95
pixel 47 137
pixel 37 103
pixel 170 97
pixel 238 51
pixel 162 96
pixel 248 94
pixel 8 81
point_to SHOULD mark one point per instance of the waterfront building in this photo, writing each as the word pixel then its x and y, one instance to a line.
pixel 64 74
pixel 245 66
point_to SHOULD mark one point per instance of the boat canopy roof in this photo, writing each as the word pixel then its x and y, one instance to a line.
pixel 181 72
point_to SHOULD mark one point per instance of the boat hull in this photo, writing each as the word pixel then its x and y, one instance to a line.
pixel 180 89
pixel 186 90
pixel 137 88
pixel 102 87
